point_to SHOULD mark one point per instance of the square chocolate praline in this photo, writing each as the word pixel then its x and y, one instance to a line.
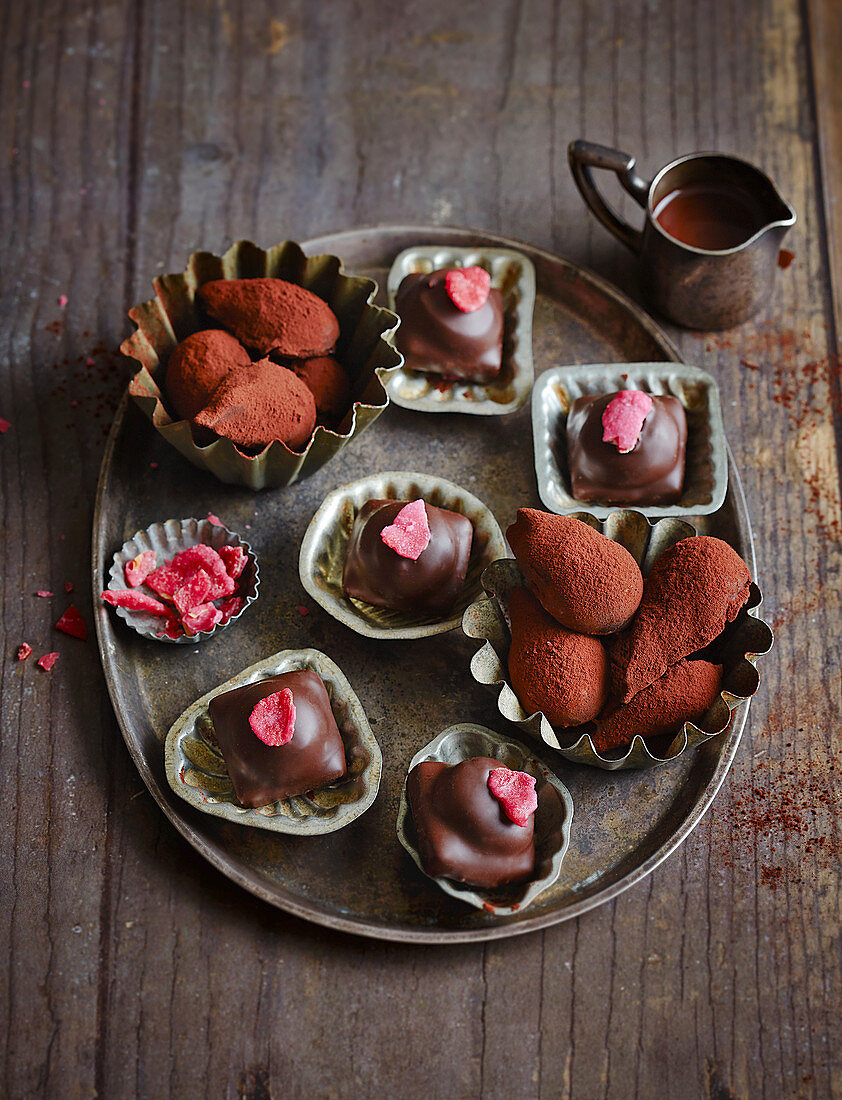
pixel 651 473
pixel 262 773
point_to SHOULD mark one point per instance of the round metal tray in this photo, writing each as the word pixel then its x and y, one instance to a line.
pixel 360 879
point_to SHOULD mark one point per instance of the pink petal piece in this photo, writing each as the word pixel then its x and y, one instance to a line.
pixel 468 288
pixel 273 719
pixel 139 568
pixel 623 418
pixel 47 661
pixel 73 624
pixel 515 791
pixel 201 618
pixel 193 592
pixel 4 426
pixel 213 518
pixel 234 558
pixel 205 557
pixel 409 534
pixel 24 651
pixel 133 600
pixel 43 593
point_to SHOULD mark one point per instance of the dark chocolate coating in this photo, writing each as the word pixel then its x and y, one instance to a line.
pixel 380 576
pixel 437 337
pixel 262 773
pixel 651 473
pixel 463 831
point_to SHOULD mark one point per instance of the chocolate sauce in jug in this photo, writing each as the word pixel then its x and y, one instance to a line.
pixel 710 215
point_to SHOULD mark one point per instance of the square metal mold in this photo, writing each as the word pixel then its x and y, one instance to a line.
pixel 514 275
pixel 706 474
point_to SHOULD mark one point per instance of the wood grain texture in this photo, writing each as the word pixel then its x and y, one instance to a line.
pixel 133 133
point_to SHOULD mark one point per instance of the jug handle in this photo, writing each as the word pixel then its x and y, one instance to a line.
pixel 585 156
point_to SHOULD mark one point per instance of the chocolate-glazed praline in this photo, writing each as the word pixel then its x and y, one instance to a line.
pixel 262 773
pixel 437 337
pixel 463 832
pixel 651 473
pixel 382 577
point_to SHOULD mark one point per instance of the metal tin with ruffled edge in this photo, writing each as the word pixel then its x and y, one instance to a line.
pixel 196 768
pixel 513 275
pixel 553 818
pixel 363 349
pixel 738 648
pixel 166 540
pixel 324 546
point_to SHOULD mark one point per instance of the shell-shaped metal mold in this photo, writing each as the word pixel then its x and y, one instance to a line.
pixel 322 557
pixel 737 649
pixel 174 313
pixel 197 773
pixel 167 539
pixel 706 468
pixel 553 818
pixel 513 274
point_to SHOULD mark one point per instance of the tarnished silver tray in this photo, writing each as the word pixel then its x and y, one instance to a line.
pixel 359 879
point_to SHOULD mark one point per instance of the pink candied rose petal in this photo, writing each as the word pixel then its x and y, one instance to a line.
pixel 73 624
pixel 205 557
pixel 43 593
pixel 623 418
pixel 139 568
pixel 193 592
pixel 231 606
pixel 468 288
pixel 515 791
pixel 234 558
pixel 24 651
pixel 409 533
pixel 47 661
pixel 273 718
pixel 213 518
pixel 133 600
pixel 68 586
pixel 202 618
pixel 4 426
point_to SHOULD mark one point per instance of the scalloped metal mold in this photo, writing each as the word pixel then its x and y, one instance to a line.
pixel 363 347
pixel 739 646
pixel 553 818
pixel 196 769
pixel 322 556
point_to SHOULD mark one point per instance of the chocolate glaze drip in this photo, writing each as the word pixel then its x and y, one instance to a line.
pixel 438 338
pixel 381 577
pixel 463 831
pixel 651 473
pixel 261 773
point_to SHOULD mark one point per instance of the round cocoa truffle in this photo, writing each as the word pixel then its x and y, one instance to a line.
pixel 198 365
pixel 556 671
pixel 272 315
pixel 584 580
pixel 261 404
pixel 330 385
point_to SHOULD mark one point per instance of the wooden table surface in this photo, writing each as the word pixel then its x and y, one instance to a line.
pixel 134 132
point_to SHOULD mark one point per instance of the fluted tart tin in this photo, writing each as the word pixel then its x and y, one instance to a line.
pixel 196 768
pixel 513 274
pixel 325 543
pixel 737 649
pixel 166 540
pixel 553 817
pixel 706 467
pixel 174 313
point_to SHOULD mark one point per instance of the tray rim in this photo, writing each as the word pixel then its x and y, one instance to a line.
pixel 215 854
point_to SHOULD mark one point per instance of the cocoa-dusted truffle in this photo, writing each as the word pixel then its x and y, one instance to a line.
pixel 584 580
pixel 554 670
pixel 682 694
pixel 381 576
pixel 198 365
pixel 650 472
pixel 463 832
pixel 258 404
pixel 272 315
pixel 262 773
pixel 438 337
pixel 330 385
pixel 695 588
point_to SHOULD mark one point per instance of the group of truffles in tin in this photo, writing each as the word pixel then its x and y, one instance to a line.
pixel 267 373
pixel 592 642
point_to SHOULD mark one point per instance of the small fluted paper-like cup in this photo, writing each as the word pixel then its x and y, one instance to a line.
pixel 196 768
pixel 174 313
pixel 553 818
pixel 167 539
pixel 736 649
